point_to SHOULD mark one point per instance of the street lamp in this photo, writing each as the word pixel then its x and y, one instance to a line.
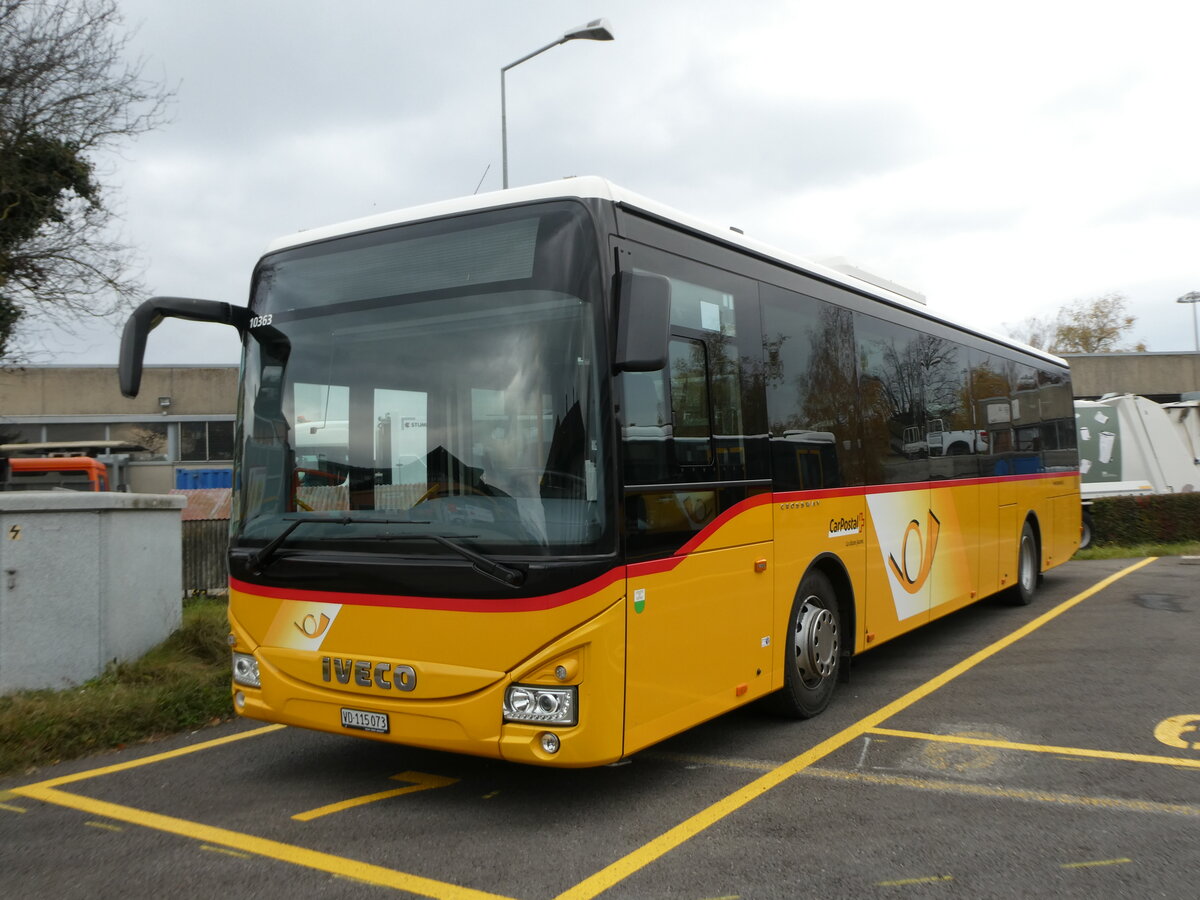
pixel 596 30
pixel 1192 297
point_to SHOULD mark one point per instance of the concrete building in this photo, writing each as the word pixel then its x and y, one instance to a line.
pixel 183 416
pixel 1161 377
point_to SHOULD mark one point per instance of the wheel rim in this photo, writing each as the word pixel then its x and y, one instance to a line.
pixel 1027 574
pixel 816 635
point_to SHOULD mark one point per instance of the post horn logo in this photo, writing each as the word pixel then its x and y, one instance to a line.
pixel 312 627
pixel 925 550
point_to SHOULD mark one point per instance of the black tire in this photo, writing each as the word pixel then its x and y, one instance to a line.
pixel 812 653
pixel 1028 568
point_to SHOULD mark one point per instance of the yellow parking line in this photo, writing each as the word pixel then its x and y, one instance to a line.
pixel 422 782
pixel 48 792
pixel 632 862
pixel 107 826
pixel 312 859
pixel 1042 748
pixel 984 790
pixel 907 881
pixel 1099 862
pixel 695 759
pixel 147 760
pixel 225 850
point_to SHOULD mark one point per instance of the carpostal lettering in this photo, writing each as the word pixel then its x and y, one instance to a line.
pixel 366 673
pixel 845 527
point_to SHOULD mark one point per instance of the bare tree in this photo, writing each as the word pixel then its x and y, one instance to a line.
pixel 68 95
pixel 1081 326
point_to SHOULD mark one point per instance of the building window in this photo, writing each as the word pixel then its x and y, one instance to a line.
pixel 151 435
pixel 72 431
pixel 200 441
pixel 20 434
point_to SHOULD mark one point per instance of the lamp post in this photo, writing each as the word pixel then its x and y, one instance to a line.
pixel 1193 297
pixel 596 30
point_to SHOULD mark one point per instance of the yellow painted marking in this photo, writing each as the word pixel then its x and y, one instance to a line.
pixel 1099 862
pixel 421 782
pixel 983 790
pixel 105 825
pixel 632 862
pixel 491 795
pixel 701 760
pixel 300 856
pixel 905 881
pixel 47 792
pixel 11 808
pixel 951 757
pixel 225 850
pixel 349 878
pixel 950 787
pixel 1041 748
pixel 147 760
pixel 1180 731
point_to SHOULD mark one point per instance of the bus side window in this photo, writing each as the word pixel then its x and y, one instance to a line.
pixel 811 391
pixel 691 426
pixel 646 427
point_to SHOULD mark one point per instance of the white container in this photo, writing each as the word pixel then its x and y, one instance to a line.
pixel 85 579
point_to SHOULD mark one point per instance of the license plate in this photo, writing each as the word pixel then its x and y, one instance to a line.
pixel 365 721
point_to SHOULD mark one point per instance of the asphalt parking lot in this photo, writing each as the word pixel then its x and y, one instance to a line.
pixel 1000 752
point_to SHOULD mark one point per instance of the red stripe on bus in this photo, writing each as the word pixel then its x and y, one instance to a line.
pixel 446 604
pixel 728 515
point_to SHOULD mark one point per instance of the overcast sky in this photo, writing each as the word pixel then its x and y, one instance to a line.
pixel 1002 159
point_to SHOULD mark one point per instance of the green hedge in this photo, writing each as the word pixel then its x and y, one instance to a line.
pixel 1161 518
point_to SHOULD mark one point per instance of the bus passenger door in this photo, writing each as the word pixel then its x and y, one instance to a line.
pixel 698 632
pixel 697 511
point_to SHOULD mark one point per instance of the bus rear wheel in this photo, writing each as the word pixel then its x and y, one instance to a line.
pixel 812 655
pixel 1027 568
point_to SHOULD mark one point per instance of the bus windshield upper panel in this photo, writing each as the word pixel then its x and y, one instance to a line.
pixel 425 382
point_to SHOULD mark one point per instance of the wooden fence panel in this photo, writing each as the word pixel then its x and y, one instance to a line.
pixel 206 555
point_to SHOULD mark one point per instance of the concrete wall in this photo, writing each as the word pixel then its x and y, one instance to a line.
pixel 93 391
pixel 84 579
pixel 1155 375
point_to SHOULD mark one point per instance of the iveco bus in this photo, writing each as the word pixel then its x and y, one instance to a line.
pixel 554 473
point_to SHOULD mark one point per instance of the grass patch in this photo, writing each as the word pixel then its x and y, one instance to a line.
pixel 180 684
pixel 1182 548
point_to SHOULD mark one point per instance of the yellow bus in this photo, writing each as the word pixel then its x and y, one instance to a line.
pixel 552 474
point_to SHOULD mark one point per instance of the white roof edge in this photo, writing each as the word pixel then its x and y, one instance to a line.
pixel 582 186
pixel 594 186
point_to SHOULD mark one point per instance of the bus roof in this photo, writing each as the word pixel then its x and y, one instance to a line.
pixel 594 187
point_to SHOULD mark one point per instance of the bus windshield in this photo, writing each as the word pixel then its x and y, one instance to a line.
pixel 429 386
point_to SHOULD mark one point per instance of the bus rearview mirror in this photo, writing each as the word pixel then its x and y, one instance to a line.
pixel 643 322
pixel 151 312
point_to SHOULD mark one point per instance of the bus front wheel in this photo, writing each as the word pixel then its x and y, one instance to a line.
pixel 812 655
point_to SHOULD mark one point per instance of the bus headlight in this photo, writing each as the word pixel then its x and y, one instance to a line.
pixel 245 670
pixel 543 705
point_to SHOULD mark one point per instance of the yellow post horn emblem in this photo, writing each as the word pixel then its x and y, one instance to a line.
pixel 913 583
pixel 311 627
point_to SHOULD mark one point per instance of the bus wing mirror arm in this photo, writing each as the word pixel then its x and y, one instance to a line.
pixel 147 317
pixel 643 322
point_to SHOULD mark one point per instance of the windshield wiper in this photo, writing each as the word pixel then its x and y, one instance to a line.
pixel 509 576
pixel 263 556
